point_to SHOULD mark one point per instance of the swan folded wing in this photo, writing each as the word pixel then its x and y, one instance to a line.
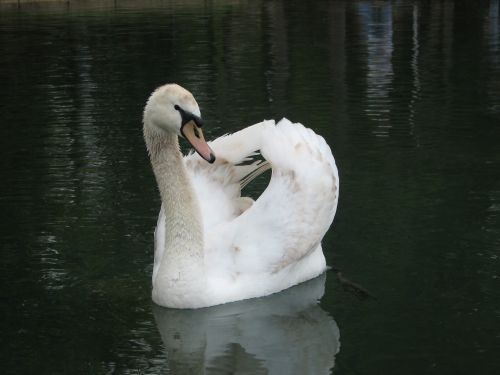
pixel 292 215
pixel 218 185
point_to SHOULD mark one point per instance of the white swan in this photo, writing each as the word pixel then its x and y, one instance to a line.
pixel 213 246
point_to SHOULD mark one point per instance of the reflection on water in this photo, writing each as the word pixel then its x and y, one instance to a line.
pixel 286 333
pixel 377 28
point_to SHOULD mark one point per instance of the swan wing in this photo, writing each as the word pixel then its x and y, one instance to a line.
pixel 287 222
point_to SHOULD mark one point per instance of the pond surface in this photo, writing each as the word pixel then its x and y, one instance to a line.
pixel 406 93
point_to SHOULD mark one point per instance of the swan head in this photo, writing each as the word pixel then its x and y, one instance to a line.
pixel 173 109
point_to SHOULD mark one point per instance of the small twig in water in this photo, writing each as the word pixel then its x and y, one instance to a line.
pixel 355 288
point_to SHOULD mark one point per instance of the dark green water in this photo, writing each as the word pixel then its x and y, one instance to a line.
pixel 406 93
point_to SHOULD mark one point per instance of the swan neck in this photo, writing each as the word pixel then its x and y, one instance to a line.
pixel 183 257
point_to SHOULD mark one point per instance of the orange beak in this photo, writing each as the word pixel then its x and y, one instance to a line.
pixel 194 135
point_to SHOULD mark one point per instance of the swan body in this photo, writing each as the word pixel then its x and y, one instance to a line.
pixel 214 246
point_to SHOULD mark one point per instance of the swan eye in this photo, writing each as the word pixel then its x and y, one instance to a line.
pixel 176 107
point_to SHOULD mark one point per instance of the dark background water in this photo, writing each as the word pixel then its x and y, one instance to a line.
pixel 406 93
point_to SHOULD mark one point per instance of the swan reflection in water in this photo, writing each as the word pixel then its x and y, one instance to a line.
pixel 285 333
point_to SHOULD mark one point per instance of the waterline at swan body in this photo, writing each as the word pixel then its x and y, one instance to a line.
pixel 214 246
